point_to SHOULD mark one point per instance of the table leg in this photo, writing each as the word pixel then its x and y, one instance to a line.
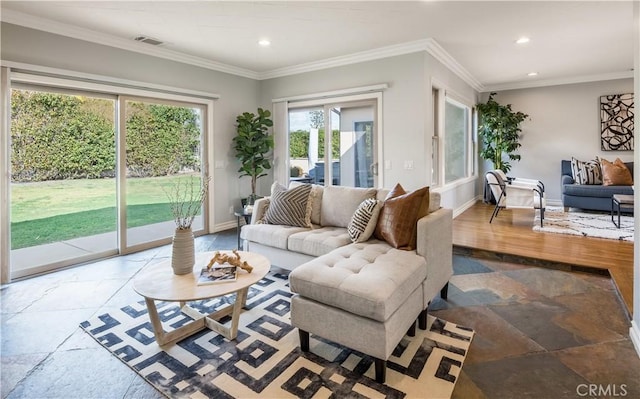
pixel 238 231
pixel 162 337
pixel 200 321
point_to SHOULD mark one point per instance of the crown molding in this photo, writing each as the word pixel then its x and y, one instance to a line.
pixel 47 25
pixel 362 56
pixel 440 54
pixel 429 45
pixel 558 82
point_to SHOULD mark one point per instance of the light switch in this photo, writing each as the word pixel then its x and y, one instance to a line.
pixel 387 165
pixel 219 164
pixel 408 165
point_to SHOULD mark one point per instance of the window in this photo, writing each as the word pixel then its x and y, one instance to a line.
pixel 344 154
pixel 453 142
pixel 456 141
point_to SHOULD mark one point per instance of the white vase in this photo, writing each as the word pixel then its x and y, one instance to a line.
pixel 183 252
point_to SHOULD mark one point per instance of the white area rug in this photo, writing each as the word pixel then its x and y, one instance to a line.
pixel 586 224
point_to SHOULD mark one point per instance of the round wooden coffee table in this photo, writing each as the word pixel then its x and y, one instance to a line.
pixel 158 283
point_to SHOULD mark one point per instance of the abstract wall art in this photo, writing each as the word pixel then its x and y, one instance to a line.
pixel 616 122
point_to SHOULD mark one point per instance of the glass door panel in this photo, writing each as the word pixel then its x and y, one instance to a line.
pixel 353 147
pixel 306 145
pixel 63 188
pixel 163 159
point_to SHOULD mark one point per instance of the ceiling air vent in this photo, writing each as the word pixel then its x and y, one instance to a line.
pixel 148 40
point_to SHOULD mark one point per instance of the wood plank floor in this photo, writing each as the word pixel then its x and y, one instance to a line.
pixel 511 234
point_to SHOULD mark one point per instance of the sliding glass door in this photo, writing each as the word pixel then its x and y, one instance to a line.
pixel 163 157
pixel 92 174
pixel 63 168
pixel 345 154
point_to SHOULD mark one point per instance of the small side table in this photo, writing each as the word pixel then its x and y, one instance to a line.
pixel 619 202
pixel 240 213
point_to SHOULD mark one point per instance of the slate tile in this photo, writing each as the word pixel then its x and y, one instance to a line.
pixel 532 376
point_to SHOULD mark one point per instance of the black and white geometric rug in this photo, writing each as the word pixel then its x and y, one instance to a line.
pixel 265 360
pixel 587 224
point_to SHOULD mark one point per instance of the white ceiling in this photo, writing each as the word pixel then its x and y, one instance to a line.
pixel 571 41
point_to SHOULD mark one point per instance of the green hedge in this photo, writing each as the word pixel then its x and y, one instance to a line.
pixel 299 144
pixel 57 136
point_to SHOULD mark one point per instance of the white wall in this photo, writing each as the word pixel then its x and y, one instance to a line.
pixel 237 94
pixel 403 105
pixel 564 122
pixel 407 126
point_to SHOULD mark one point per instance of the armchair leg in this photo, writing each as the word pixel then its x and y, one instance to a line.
pixel 541 217
pixel 495 212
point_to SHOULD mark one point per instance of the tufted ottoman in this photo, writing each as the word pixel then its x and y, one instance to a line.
pixel 363 296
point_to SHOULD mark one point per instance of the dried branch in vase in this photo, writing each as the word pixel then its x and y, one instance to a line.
pixel 186 197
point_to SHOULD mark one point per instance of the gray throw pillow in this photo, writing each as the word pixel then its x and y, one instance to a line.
pixel 289 207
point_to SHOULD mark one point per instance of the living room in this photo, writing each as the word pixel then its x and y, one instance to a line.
pixel 404 76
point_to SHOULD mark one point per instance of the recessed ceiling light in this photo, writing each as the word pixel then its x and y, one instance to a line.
pixel 532 74
pixel 264 42
pixel 523 40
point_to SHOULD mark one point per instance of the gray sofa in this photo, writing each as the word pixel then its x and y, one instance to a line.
pixel 593 197
pixel 367 295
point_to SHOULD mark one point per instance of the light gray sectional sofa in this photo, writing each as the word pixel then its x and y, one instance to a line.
pixel 367 295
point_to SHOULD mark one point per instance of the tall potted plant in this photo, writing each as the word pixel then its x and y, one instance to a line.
pixel 500 130
pixel 252 145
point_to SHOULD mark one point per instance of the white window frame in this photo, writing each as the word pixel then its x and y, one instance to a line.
pixel 324 102
pixel 439 136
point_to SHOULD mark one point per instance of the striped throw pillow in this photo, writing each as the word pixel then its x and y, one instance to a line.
pixel 289 207
pixel 364 220
pixel 586 172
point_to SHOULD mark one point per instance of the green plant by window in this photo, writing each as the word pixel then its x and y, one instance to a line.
pixel 499 127
pixel 253 144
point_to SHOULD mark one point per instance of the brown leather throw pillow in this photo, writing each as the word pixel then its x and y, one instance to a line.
pixel 615 173
pixel 398 217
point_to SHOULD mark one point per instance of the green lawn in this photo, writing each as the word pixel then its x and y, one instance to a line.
pixel 46 212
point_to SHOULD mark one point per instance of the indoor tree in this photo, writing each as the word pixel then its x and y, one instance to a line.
pixel 252 145
pixel 499 127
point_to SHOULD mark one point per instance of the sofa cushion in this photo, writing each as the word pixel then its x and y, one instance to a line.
pixel 615 173
pixel 368 279
pixel 339 203
pixel 318 241
pixel 269 234
pixel 364 220
pixel 289 206
pixel 579 190
pixel 315 198
pixel 398 217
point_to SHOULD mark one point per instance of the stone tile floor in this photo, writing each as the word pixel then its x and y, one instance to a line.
pixel 540 333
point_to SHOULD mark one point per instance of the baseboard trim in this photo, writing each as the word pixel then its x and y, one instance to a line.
pixel 634 333
pixel 459 210
pixel 225 226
